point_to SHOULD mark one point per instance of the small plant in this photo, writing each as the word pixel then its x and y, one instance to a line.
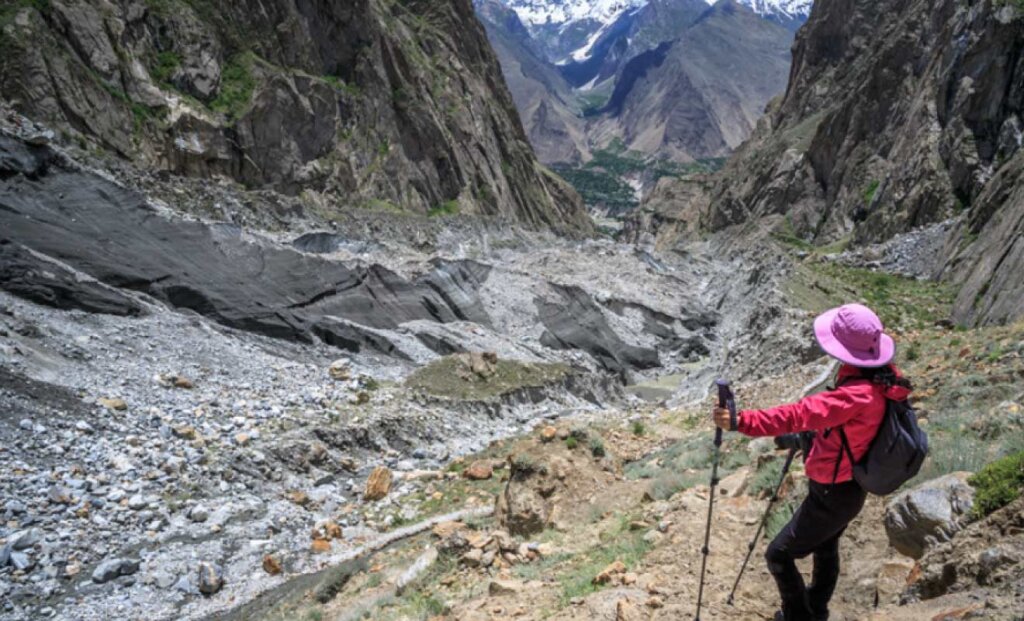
pixel 580 433
pixel 871 191
pixel 369 384
pixel 571 443
pixel 638 428
pixel 236 87
pixel 997 484
pixel 523 463
pixel 763 483
pixel 597 447
pixel 166 65
pixel 447 208
pixel 913 352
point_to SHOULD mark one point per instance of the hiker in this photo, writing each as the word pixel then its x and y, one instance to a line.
pixel 854 335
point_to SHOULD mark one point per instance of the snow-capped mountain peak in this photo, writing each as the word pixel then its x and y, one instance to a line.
pixel 538 12
pixel 791 9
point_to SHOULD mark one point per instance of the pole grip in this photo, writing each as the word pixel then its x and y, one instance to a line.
pixel 726 400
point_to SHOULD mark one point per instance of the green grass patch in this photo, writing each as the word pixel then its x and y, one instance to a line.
pixel 237 84
pixel 10 9
pixel 164 66
pixel 997 484
pixel 764 480
pixel 448 377
pixel 638 428
pixel 447 208
pixel 902 303
pixel 871 191
pixel 617 543
pixel 571 442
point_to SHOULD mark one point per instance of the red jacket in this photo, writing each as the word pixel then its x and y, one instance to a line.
pixel 858 405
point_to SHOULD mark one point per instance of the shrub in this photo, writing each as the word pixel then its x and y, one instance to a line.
pixel 597 447
pixel 638 428
pixel 571 442
pixel 997 484
pixel 765 479
pixel 236 87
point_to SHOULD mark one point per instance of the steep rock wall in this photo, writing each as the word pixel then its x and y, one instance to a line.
pixel 366 103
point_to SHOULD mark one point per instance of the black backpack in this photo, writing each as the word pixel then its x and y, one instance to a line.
pixel 896 453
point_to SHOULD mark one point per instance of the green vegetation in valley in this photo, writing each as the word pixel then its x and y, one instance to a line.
pixel 998 484
pixel 601 181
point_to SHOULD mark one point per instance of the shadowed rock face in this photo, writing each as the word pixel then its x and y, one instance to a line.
pixel 83 241
pixel 33 278
pixel 576 322
pixel 365 103
pixel 115 236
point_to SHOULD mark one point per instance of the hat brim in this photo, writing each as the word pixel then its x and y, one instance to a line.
pixel 858 358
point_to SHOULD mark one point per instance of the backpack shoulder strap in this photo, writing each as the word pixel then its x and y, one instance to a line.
pixel 846 445
pixel 845 451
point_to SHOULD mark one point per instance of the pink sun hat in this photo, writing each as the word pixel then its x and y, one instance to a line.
pixel 854 334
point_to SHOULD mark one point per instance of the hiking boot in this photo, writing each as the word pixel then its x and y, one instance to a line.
pixel 781 616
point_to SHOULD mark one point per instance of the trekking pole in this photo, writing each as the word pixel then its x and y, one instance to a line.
pixel 725 400
pixel 764 521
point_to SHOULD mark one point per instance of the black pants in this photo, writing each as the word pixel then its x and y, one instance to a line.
pixel 815 529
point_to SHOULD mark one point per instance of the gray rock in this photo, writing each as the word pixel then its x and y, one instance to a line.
pixel 929 513
pixel 21 561
pixel 27 539
pixel 210 578
pixel 137 502
pixel 114 568
pixel 198 513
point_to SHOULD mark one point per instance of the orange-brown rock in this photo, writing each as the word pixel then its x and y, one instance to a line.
pixel 379 483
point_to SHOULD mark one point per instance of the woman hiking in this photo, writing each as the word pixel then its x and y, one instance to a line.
pixel 854 335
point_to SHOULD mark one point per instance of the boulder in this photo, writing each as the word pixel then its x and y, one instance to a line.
pixel 612 572
pixel 378 484
pixel 340 369
pixel 210 578
pixel 497 588
pixel 113 403
pixel 272 565
pixel 930 513
pixel 479 471
pixel 114 568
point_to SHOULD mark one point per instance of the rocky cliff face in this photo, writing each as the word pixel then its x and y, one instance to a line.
pixel 897 115
pixel 360 104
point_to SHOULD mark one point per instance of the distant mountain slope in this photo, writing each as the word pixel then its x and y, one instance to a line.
pixel 700 95
pixel 549 110
pixel 674 79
